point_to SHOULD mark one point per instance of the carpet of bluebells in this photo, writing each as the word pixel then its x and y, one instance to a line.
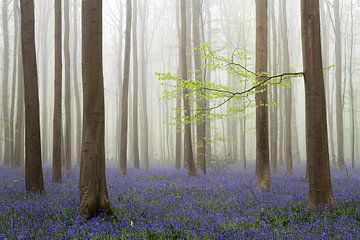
pixel 167 204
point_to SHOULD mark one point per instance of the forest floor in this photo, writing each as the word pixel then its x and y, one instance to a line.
pixel 167 204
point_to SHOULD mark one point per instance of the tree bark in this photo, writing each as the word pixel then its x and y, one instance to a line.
pixel 125 91
pixel 19 142
pixel 57 119
pixel 76 80
pixel 339 99
pixel 33 166
pixel 144 72
pixel 188 150
pixel 67 80
pixel 320 191
pixel 13 85
pixel 178 141
pixel 200 111
pixel 135 89
pixel 288 94
pixel 5 83
pixel 262 130
pixel 93 191
pixel 274 110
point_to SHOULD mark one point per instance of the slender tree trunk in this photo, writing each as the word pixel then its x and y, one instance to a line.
pixel 339 100
pixel 208 147
pixel 33 166
pixel 288 94
pixel 200 111
pixel 93 191
pixel 120 76
pixel 135 89
pixel 67 79
pixel 178 157
pixel 13 85
pixel 19 142
pixel 125 91
pixel 43 78
pixel 78 126
pixel 262 131
pixel 57 119
pixel 352 107
pixel 5 82
pixel 188 151
pixel 144 71
pixel 320 191
pixel 274 110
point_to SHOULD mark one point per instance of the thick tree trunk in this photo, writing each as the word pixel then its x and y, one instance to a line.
pixel 125 91
pixel 57 120
pixel 320 191
pixel 200 111
pixel 188 150
pixel 262 130
pixel 93 191
pixel 135 89
pixel 67 79
pixel 33 166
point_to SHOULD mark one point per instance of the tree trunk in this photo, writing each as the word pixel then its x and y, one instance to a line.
pixel 67 79
pixel 288 94
pixel 200 111
pixel 78 126
pixel 57 120
pixel 352 107
pixel 339 99
pixel 33 166
pixel 178 143
pixel 13 85
pixel 262 131
pixel 135 89
pixel 93 191
pixel 144 72
pixel 320 192
pixel 274 110
pixel 43 78
pixel 5 82
pixel 125 91
pixel 188 151
pixel 19 143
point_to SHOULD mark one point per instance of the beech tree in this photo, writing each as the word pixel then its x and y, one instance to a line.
pixel 200 101
pixel 262 129
pixel 188 150
pixel 339 90
pixel 125 91
pixel 93 190
pixel 288 92
pixel 57 118
pixel 5 83
pixel 33 165
pixel 67 79
pixel 135 88
pixel 320 190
